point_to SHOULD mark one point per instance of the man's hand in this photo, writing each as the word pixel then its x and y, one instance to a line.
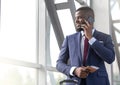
pixel 87 27
pixel 81 72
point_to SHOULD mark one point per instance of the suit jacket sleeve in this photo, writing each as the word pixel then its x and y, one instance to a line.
pixel 105 50
pixel 62 61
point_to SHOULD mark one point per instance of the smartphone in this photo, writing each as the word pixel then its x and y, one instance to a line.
pixel 90 20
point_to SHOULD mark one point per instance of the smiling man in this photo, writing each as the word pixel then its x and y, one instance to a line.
pixel 86 50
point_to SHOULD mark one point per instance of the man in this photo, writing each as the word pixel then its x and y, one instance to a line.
pixel 87 67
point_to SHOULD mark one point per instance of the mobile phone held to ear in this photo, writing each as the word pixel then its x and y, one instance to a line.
pixel 90 20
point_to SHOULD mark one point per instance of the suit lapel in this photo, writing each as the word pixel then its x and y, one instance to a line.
pixel 89 50
pixel 77 39
pixel 78 46
pixel 95 34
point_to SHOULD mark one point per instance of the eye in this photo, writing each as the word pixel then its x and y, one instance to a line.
pixel 79 17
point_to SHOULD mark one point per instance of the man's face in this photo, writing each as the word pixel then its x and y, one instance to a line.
pixel 80 17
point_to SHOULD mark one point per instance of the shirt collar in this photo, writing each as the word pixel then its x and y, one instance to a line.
pixel 93 30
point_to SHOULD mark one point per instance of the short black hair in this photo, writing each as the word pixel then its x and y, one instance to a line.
pixel 86 9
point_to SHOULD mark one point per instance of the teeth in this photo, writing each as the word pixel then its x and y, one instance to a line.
pixel 82 25
pixel 77 25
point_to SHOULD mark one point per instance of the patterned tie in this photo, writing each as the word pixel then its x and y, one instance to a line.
pixel 85 51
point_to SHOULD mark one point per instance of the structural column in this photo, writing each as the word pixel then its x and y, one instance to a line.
pixel 41 43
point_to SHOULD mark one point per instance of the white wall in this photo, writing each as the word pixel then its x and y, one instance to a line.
pixel 101 8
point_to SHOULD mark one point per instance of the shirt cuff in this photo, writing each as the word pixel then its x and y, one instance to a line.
pixel 92 40
pixel 72 70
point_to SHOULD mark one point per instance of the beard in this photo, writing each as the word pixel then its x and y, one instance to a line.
pixel 79 29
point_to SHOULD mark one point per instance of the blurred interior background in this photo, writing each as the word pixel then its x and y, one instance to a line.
pixel 32 31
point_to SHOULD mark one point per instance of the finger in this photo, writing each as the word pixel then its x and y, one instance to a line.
pixel 85 27
pixel 83 76
pixel 77 71
pixel 87 23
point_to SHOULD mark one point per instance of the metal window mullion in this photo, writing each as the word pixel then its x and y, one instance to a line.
pixel 55 21
pixel 72 9
pixel 61 6
pixel 42 73
pixel 37 41
pixel 20 63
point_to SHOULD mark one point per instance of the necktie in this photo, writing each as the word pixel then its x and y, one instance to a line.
pixel 85 51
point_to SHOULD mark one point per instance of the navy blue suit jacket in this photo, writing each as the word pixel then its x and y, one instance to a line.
pixel 102 50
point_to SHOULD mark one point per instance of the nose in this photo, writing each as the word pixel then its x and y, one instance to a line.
pixel 80 20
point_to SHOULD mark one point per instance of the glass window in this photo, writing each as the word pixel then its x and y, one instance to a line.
pixel 17 75
pixel 117 33
pixel 54 49
pixel 18 29
pixel 117 25
pixel 116 76
pixel 53 78
pixel 115 11
pixel 66 21
pixel 77 4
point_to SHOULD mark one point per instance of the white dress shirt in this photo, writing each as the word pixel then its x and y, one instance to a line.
pixel 91 41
